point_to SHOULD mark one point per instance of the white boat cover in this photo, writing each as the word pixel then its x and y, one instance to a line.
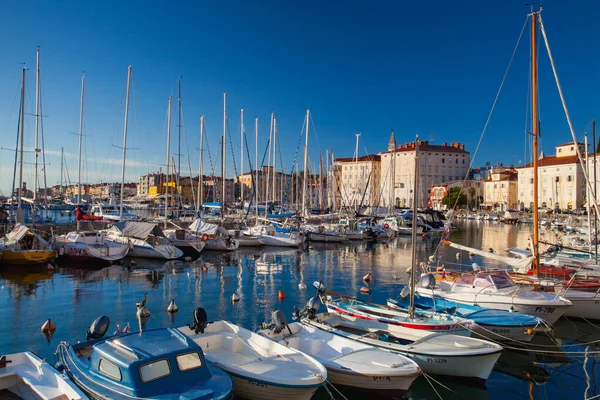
pixel 200 226
pixel 519 264
pixel 509 215
pixel 18 233
pixel 138 230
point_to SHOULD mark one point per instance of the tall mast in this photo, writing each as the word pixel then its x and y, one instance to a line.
pixel 535 122
pixel 80 140
pixel 595 192
pixel 321 183
pixel 200 172
pixel 305 165
pixel 274 156
pixel 356 193
pixel 168 158
pixel 268 180
pixel 224 153
pixel 125 141
pixel 62 158
pixel 256 185
pixel 414 233
pixel 242 157
pixel 588 195
pixel 19 211
pixel 37 120
pixel 179 137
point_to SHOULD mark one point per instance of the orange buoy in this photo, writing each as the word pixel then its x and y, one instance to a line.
pixel 51 267
pixel 281 295
pixel 367 277
pixel 470 254
pixel 48 326
pixel 530 331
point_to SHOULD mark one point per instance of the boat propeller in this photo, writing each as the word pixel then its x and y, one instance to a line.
pixel 98 328
pixel 200 320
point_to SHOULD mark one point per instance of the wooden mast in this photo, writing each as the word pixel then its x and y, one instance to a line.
pixel 535 133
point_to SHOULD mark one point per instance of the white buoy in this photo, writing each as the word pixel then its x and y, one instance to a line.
pixel 365 290
pixel 172 307
pixel 458 256
pixel 235 297
pixel 302 286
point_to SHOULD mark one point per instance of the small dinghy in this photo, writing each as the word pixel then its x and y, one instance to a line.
pixel 26 376
pixel 259 367
pixel 349 363
pixel 156 364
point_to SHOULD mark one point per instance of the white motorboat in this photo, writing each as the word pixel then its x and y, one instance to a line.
pixel 496 289
pixel 146 240
pixel 89 247
pixel 435 353
pixel 320 234
pixel 191 244
pixel 349 363
pixel 216 237
pixel 25 376
pixel 247 240
pixel 260 368
pixel 112 212
pixel 272 237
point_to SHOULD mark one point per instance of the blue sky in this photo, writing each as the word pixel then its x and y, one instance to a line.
pixel 431 68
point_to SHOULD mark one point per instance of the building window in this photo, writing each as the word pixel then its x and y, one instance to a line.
pixel 569 178
pixel 560 150
pixel 443 161
pixel 572 148
pixel 531 180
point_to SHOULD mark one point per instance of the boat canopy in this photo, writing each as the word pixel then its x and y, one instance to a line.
pixel 200 226
pixel 18 233
pixel 138 230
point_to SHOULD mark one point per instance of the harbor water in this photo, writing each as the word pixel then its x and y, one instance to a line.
pixel 562 364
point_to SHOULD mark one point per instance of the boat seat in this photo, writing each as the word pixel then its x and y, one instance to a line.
pixel 233 344
pixel 6 394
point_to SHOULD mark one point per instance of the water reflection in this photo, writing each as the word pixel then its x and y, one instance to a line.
pixel 74 297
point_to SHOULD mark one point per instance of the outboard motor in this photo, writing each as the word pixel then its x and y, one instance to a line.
pixel 279 322
pixel 404 292
pixel 312 306
pixel 98 328
pixel 428 281
pixel 200 320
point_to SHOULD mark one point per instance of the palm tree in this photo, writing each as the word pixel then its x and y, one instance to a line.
pixel 472 193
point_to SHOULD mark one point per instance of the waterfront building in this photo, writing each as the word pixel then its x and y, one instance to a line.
pixel 438 164
pixel 561 182
pixel 360 180
pixel 147 181
pixel 473 189
pixel 501 189
pixel 283 184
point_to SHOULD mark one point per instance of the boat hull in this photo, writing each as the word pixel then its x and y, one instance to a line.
pixel 381 385
pixel 259 390
pixel 27 257
pixel 325 238
pixel 98 255
pixel 221 245
pixel 150 252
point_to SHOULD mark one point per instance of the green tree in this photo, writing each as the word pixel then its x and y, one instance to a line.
pixel 454 197
pixel 472 193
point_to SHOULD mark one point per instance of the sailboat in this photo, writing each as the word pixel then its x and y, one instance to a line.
pixel 22 246
pixel 87 246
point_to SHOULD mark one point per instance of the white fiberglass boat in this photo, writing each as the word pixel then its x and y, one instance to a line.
pixel 25 376
pixel 112 212
pixel 349 363
pixel 188 242
pixel 435 353
pixel 260 368
pixel 496 289
pixel 272 237
pixel 147 240
pixel 89 247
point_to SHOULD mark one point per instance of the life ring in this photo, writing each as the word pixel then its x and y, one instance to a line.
pixel 386 225
pixel 204 237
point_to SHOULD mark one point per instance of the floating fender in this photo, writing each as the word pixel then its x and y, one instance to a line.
pixel 235 297
pixel 172 308
pixel 365 290
pixel 458 256
pixel 48 326
pixel 367 277
pixel 302 286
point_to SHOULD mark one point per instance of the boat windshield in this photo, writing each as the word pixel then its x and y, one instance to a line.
pixel 501 280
